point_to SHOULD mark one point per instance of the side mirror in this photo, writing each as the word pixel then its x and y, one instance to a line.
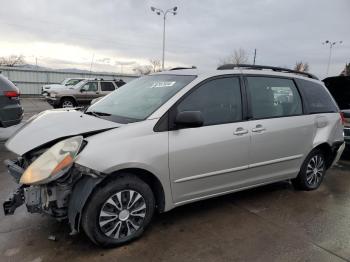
pixel 189 119
pixel 82 90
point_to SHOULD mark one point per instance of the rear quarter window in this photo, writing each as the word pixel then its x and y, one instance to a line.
pixel 316 97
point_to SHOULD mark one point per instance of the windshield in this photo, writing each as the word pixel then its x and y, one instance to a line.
pixel 139 98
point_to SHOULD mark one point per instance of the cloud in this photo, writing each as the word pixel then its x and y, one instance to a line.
pixel 201 34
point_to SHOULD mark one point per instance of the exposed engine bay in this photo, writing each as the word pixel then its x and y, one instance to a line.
pixel 52 198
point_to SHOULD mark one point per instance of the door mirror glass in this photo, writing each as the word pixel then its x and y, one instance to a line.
pixel 189 119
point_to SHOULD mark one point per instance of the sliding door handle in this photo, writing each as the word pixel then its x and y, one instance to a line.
pixel 240 131
pixel 258 128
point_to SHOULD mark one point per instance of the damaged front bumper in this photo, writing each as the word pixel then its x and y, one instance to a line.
pixel 16 199
pixel 61 199
pixel 49 198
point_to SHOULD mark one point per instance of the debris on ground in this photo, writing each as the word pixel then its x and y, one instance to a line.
pixel 52 238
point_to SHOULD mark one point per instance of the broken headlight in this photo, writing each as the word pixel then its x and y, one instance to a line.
pixel 54 163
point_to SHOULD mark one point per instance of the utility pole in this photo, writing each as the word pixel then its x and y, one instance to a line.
pixel 92 61
pixel 331 44
pixel 254 56
pixel 164 13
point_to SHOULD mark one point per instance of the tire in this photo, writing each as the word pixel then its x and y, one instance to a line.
pixel 312 171
pixel 108 224
pixel 67 102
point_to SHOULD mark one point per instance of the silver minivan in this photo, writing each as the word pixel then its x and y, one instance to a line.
pixel 173 138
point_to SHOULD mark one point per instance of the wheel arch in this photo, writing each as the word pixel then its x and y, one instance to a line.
pixel 86 187
pixel 326 148
pixel 147 177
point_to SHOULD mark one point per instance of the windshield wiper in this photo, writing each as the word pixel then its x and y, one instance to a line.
pixel 97 114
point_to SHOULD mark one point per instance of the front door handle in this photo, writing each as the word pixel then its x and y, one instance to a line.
pixel 240 131
pixel 258 128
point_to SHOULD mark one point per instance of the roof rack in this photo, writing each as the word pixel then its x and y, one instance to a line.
pixel 181 68
pixel 261 67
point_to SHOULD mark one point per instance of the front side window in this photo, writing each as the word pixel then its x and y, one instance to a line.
pixel 218 100
pixel 138 99
pixel 90 87
pixel 273 97
pixel 107 86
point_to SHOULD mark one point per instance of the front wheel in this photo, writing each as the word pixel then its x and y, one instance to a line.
pixel 119 211
pixel 67 102
pixel 312 171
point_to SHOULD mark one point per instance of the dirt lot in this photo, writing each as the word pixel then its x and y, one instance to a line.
pixel 271 223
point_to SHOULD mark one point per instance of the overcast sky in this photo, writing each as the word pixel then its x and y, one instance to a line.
pixel 68 33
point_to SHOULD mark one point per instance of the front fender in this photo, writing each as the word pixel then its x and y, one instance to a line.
pixel 80 194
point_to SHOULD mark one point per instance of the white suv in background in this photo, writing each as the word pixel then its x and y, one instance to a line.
pixel 172 138
pixel 66 83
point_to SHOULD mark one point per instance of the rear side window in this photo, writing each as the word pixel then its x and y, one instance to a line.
pixel 218 100
pixel 273 97
pixel 107 86
pixel 317 99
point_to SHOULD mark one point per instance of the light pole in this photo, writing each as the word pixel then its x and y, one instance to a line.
pixel 164 13
pixel 331 44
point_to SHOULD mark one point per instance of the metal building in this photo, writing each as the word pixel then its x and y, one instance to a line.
pixel 30 81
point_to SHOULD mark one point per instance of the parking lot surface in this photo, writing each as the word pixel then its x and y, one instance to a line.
pixel 270 223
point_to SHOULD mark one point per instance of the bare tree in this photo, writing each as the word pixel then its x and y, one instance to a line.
pixel 155 65
pixel 239 56
pixel 143 69
pixel 346 71
pixel 301 66
pixel 12 60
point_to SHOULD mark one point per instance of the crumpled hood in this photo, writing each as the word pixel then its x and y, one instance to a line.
pixel 51 125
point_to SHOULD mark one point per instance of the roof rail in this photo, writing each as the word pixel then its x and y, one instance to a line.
pixel 181 68
pixel 261 67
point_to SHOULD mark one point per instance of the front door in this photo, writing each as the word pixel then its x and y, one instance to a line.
pixel 88 92
pixel 211 159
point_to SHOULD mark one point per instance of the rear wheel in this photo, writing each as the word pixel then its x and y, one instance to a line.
pixel 119 211
pixel 68 102
pixel 312 171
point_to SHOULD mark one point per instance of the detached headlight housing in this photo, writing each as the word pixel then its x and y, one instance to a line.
pixel 54 163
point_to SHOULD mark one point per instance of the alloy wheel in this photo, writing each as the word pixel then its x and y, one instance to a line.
pixel 122 214
pixel 315 170
pixel 67 104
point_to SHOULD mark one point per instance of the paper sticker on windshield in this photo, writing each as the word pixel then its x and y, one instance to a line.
pixel 161 84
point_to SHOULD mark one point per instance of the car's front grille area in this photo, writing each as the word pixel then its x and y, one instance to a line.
pixel 347 132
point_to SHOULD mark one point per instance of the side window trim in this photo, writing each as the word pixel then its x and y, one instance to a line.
pixel 249 110
pixel 165 123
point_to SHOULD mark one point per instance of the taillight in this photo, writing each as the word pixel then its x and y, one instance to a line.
pixel 343 120
pixel 11 94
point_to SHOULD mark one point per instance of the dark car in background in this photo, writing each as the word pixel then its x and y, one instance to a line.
pixel 346 118
pixel 339 87
pixel 11 111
